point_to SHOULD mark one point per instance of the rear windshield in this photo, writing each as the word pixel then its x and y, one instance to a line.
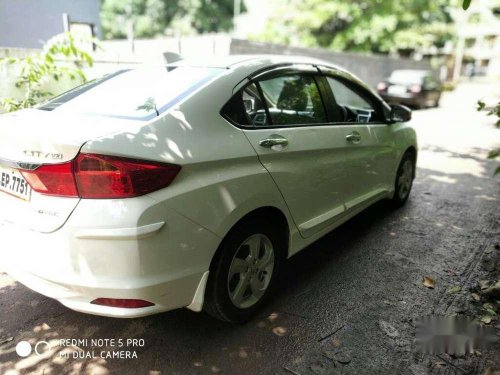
pixel 139 94
pixel 407 76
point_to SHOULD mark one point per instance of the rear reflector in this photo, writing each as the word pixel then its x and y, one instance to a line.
pixel 123 303
pixel 98 176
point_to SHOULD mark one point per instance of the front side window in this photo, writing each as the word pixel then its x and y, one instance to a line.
pixel 350 105
pixel 293 100
pixel 139 94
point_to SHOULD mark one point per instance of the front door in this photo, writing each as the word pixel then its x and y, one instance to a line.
pixel 368 148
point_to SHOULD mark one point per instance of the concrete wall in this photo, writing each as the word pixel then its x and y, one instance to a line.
pixel 30 23
pixel 118 55
pixel 370 68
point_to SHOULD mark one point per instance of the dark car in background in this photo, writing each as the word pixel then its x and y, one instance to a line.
pixel 415 88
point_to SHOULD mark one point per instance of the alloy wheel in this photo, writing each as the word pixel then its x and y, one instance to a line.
pixel 250 271
pixel 405 179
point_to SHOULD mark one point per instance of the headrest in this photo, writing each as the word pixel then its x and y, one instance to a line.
pixel 293 96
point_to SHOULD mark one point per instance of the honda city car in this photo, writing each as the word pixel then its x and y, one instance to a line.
pixel 189 185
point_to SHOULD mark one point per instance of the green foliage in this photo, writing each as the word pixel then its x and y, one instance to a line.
pixel 379 26
pixel 492 111
pixel 62 57
pixel 466 4
pixel 152 17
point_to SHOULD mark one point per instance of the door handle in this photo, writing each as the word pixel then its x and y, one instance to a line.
pixel 274 140
pixel 354 137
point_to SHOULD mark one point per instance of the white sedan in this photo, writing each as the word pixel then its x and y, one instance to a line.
pixel 189 185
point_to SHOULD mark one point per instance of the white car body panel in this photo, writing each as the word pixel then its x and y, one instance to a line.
pixel 159 247
pixel 319 155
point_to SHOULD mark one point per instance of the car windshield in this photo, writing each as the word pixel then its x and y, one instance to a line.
pixel 407 76
pixel 139 94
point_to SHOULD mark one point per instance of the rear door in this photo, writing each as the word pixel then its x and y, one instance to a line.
pixel 359 117
pixel 286 122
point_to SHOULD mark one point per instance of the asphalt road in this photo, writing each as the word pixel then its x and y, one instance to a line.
pixel 346 303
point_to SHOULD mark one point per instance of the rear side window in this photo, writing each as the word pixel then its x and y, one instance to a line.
pixel 139 94
pixel 247 108
pixel 293 100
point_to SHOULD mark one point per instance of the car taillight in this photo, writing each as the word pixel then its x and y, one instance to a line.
pixel 415 89
pixel 99 176
pixel 53 179
pixel 123 303
pixel 381 86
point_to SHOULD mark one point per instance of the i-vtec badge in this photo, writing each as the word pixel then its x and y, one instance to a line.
pixel 43 155
pixel 46 212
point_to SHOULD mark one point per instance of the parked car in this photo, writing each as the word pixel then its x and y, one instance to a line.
pixel 189 185
pixel 416 88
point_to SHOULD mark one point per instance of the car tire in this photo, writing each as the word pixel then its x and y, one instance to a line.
pixel 404 179
pixel 235 296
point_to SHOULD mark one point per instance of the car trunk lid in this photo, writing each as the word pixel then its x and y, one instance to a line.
pixel 32 138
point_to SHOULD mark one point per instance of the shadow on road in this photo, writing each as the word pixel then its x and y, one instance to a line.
pixel 348 278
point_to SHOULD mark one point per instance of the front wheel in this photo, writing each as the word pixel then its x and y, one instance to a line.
pixel 245 271
pixel 404 179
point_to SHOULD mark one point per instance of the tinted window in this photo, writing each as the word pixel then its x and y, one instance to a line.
pixel 351 106
pixel 134 94
pixel 246 108
pixel 293 100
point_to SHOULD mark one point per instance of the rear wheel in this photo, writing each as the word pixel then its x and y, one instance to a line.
pixel 245 271
pixel 404 179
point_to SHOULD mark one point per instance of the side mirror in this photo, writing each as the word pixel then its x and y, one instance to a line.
pixel 400 113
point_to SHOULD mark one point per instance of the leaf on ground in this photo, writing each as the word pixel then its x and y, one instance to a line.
pixel 8 339
pixel 455 289
pixel 388 328
pixel 336 342
pixel 429 282
pixel 486 319
pixel 489 309
pixel 343 358
pixel 476 297
pixel 484 284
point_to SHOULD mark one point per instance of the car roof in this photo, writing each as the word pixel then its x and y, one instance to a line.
pixel 256 61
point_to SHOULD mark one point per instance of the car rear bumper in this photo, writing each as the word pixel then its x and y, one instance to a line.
pixel 162 261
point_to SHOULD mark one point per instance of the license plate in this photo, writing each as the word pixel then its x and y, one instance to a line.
pixel 12 182
pixel 396 90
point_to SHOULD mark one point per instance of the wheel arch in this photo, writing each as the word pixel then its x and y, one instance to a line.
pixel 412 150
pixel 270 213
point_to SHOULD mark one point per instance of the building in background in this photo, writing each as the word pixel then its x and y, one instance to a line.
pixel 30 23
pixel 478 45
